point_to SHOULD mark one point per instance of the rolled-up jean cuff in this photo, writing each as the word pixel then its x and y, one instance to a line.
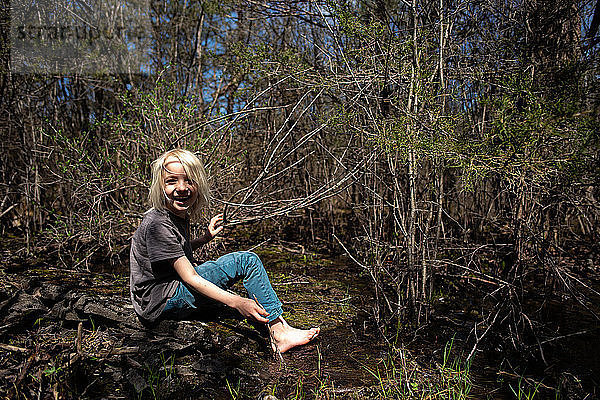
pixel 274 314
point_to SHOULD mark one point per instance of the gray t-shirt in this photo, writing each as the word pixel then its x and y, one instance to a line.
pixel 160 239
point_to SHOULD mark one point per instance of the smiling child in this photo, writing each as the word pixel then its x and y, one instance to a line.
pixel 166 281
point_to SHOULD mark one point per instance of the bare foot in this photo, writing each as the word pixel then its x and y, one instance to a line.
pixel 284 337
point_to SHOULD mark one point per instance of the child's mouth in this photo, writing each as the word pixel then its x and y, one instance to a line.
pixel 181 199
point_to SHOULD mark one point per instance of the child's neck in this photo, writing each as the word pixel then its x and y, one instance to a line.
pixel 184 217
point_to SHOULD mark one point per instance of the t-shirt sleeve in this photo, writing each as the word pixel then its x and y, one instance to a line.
pixel 163 243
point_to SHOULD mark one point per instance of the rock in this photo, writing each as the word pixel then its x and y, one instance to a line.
pixel 136 380
pixel 103 309
pixel 25 309
pixel 116 346
pixel 112 311
pixel 62 312
pixel 177 346
pixel 31 283
pixel 9 299
pixel 132 363
pixel 189 330
pixel 50 293
pixel 117 376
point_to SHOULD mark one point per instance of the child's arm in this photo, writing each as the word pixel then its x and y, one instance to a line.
pixel 248 308
pixel 214 227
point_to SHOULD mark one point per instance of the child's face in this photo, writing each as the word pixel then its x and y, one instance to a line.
pixel 180 192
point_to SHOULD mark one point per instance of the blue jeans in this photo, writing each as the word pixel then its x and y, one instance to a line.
pixel 224 272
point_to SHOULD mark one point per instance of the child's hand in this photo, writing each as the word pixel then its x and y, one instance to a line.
pixel 251 309
pixel 215 225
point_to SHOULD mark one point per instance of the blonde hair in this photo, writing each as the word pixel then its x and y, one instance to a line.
pixel 194 170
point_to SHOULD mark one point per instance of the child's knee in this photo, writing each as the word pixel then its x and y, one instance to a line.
pixel 253 260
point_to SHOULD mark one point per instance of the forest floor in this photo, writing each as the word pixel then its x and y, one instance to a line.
pixel 73 334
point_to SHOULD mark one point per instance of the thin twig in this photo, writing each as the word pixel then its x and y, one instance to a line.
pixel 9 347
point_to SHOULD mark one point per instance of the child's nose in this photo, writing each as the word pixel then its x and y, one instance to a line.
pixel 181 186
